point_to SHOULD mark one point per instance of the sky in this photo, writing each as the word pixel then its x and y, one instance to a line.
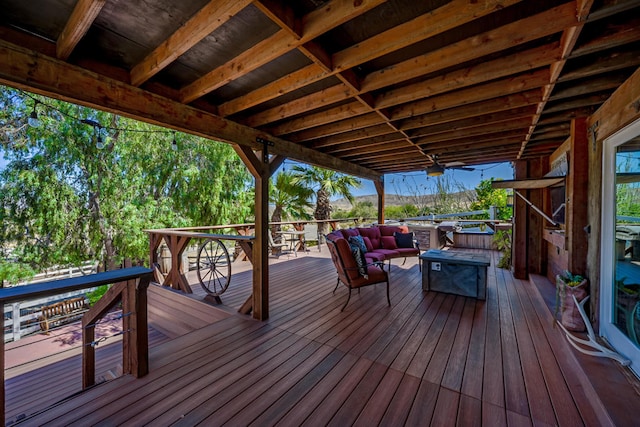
pixel 409 182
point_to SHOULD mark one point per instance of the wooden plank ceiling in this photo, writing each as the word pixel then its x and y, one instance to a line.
pixel 369 87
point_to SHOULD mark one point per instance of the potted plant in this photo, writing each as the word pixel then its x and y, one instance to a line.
pixel 567 286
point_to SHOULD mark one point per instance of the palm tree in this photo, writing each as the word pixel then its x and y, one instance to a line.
pixel 327 183
pixel 290 198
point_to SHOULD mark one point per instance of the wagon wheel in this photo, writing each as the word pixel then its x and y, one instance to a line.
pixel 214 267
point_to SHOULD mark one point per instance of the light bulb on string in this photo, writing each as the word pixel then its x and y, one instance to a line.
pixel 174 143
pixel 33 119
pixel 99 141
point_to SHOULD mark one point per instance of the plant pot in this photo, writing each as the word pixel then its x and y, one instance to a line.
pixel 569 314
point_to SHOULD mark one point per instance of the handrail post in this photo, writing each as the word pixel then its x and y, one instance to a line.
pixel 2 390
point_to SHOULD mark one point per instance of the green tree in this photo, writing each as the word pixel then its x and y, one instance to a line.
pixel 487 196
pixel 290 199
pixel 85 184
pixel 326 183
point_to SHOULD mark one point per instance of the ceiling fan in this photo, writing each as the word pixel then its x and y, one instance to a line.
pixel 437 169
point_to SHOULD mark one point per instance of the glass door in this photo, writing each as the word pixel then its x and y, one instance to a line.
pixel 620 290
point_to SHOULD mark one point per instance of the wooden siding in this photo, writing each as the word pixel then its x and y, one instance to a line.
pixel 430 358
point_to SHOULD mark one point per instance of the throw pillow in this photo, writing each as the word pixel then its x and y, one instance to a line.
pixel 389 242
pixel 358 241
pixel 361 261
pixel 404 240
pixel 367 242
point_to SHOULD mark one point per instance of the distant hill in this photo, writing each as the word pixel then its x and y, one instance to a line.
pixel 399 200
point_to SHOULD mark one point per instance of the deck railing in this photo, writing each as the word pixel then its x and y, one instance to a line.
pixel 129 287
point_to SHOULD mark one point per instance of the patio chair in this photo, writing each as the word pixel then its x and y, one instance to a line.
pixel 277 248
pixel 349 273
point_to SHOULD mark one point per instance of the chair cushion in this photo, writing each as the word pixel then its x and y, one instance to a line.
pixel 373 234
pixel 375 275
pixel 359 242
pixel 345 254
pixel 389 242
pixel 335 235
pixel 404 240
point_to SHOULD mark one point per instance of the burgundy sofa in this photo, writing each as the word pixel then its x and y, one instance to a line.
pixel 381 242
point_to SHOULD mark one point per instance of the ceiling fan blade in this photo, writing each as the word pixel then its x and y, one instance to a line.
pixel 462 168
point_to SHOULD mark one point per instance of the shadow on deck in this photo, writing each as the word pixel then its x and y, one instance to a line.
pixel 430 358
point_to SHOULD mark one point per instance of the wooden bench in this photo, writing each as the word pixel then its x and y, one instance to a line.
pixel 63 310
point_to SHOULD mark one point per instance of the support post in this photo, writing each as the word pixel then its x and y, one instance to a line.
pixel 379 184
pixel 520 225
pixel 577 198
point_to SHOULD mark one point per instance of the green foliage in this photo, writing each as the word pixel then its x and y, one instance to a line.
pixel 487 196
pixel 326 183
pixel 65 200
pixel 502 239
pixel 97 293
pixel 14 272
pixel 290 199
pixel 569 279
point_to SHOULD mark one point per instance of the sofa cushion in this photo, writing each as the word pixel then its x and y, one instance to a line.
pixel 389 242
pixel 387 253
pixel 404 240
pixel 348 232
pixel 374 257
pixel 389 230
pixel 373 234
pixel 367 243
pixel 359 242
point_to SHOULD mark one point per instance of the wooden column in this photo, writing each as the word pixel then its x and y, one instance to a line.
pixel 536 245
pixel 379 183
pixel 261 167
pixel 520 225
pixel 577 188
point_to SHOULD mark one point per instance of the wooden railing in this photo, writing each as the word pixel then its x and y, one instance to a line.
pixel 129 286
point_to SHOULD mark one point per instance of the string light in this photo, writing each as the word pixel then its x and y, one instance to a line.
pixel 100 131
pixel 33 119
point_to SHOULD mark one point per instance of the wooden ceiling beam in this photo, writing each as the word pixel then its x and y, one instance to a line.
pixel 314 24
pixel 608 82
pixel 473 145
pixel 390 154
pixel 355 135
pixel 431 22
pixel 340 112
pixel 444 18
pixel 616 35
pixel 213 15
pixel 292 81
pixel 83 15
pixel 338 126
pixel 507 36
pixel 366 148
pixel 435 147
pixel 48 76
pixel 482 120
pixel 612 62
pixel 480 73
pixel 505 103
pixel 512 85
pixel 376 140
pixel 330 95
pixel 282 14
pixel 515 124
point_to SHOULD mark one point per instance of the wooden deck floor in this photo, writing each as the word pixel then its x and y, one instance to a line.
pixel 430 358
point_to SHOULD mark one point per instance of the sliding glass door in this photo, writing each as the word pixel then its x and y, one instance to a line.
pixel 620 290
